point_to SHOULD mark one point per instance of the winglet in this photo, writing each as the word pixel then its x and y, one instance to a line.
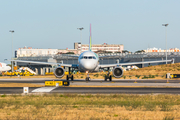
pixel 90 44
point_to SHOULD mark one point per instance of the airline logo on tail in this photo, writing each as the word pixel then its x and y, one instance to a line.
pixel 90 44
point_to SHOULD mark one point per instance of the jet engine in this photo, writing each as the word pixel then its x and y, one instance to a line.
pixel 59 72
pixel 117 72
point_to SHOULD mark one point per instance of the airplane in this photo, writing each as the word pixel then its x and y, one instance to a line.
pixel 88 62
pixel 4 67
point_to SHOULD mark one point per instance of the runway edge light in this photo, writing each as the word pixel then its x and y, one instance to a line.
pixel 25 90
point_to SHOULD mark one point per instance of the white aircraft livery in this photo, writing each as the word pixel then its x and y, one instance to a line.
pixel 4 67
pixel 88 62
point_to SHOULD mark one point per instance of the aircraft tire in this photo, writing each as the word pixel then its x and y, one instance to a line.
pixel 87 78
pixel 67 77
pixel 105 78
pixel 110 78
pixel 72 77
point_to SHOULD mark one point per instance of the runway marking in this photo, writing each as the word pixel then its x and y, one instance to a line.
pixel 44 89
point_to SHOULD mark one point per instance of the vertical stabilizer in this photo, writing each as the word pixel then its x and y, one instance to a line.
pixel 90 44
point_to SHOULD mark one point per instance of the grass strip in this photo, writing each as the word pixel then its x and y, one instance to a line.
pixel 73 106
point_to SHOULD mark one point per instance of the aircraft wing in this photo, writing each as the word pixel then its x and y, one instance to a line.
pixel 133 63
pixel 42 63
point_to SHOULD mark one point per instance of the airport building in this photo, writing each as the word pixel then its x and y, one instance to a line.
pixel 149 50
pixel 30 52
pixel 98 48
pixel 108 58
pixel 57 56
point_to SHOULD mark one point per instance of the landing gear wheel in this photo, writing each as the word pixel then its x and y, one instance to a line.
pixel 110 78
pixel 72 77
pixel 67 77
pixel 87 78
pixel 105 78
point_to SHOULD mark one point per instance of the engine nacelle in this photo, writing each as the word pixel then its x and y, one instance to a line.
pixel 117 72
pixel 59 72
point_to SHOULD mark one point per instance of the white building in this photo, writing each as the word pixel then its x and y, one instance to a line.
pixel 100 47
pixel 160 50
pixel 29 52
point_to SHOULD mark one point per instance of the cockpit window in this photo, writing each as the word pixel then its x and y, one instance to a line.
pixel 88 57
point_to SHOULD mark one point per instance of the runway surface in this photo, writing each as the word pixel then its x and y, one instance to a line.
pixel 98 82
pixel 91 90
pixel 42 80
pixel 97 86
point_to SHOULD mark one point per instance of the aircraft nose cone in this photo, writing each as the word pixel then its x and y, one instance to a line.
pixel 88 65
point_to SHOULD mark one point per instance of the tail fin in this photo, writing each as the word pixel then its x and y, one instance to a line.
pixel 90 45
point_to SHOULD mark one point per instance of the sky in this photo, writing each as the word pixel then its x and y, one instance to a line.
pixel 137 24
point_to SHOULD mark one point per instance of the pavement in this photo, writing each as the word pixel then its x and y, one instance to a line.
pixel 92 90
pixel 128 86
pixel 101 82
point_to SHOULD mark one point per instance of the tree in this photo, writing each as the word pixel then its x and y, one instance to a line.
pixel 140 51
pixel 125 51
pixel 70 53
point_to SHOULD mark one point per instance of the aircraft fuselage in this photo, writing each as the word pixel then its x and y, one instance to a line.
pixel 4 67
pixel 88 61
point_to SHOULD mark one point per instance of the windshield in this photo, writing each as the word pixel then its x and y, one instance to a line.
pixel 88 57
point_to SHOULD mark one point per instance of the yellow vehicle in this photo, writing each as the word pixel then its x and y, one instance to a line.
pixel 51 73
pixel 9 73
pixel 67 73
pixel 25 73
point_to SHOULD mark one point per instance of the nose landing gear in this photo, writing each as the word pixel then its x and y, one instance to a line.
pixel 87 78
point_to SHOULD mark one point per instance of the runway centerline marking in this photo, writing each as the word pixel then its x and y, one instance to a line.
pixel 44 89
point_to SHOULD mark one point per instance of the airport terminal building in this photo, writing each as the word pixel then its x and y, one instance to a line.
pixel 105 48
pixel 97 48
pixel 53 55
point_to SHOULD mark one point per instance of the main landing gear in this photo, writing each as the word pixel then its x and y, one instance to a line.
pixel 87 78
pixel 108 76
pixel 70 76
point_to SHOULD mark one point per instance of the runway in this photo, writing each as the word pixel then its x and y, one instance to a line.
pixel 99 82
pixel 42 80
pixel 98 86
pixel 92 90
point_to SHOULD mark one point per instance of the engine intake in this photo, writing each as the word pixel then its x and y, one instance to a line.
pixel 117 72
pixel 59 72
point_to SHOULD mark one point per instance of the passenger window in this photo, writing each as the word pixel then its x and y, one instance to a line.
pixel 85 57
pixel 81 57
pixel 94 57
